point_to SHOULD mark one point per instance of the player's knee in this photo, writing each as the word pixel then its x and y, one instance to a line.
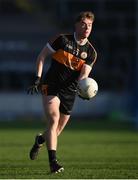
pixel 53 121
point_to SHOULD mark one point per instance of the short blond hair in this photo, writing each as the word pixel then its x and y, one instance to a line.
pixel 84 15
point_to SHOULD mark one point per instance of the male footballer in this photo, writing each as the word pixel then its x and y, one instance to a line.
pixel 72 58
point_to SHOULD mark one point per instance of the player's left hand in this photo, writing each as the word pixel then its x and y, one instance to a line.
pixel 83 97
pixel 79 95
pixel 34 88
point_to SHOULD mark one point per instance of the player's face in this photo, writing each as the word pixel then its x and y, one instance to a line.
pixel 84 27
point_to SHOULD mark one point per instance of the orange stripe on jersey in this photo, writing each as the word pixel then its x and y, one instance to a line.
pixel 68 59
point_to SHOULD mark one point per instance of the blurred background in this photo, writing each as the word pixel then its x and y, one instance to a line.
pixel 27 25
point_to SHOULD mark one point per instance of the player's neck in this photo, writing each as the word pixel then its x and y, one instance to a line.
pixel 79 40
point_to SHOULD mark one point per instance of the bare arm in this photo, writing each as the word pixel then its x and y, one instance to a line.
pixel 85 71
pixel 45 52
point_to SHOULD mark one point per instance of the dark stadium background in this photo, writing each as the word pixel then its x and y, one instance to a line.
pixel 101 138
pixel 25 27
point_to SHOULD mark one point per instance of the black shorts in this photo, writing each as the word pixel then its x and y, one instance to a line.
pixel 66 96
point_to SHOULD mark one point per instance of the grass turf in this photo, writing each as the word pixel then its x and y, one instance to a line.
pixel 86 149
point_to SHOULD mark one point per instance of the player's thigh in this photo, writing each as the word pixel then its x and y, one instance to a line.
pixel 51 106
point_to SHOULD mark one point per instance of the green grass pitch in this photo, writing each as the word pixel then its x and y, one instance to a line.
pixel 86 149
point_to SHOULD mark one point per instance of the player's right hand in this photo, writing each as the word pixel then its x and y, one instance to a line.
pixel 34 88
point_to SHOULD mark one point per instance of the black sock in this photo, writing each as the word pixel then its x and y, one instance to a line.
pixel 41 140
pixel 52 155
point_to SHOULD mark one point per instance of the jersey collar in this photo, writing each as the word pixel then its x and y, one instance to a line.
pixel 81 44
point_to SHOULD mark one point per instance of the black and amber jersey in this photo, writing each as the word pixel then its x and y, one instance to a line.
pixel 67 60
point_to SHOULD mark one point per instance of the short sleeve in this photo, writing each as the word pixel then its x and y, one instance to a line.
pixel 56 43
pixel 92 56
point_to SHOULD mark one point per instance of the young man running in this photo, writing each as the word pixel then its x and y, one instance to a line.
pixel 72 58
